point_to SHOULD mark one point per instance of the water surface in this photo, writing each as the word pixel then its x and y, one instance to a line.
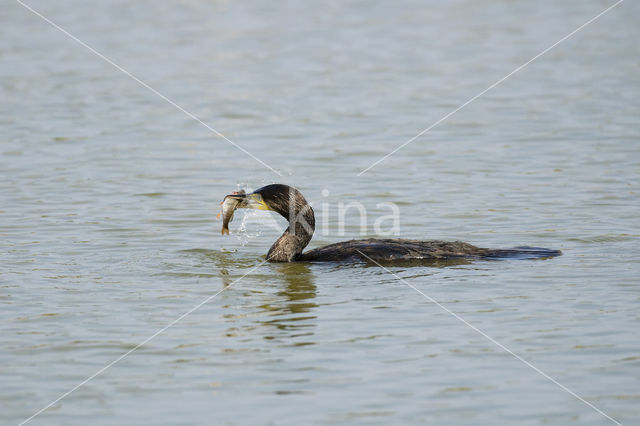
pixel 109 194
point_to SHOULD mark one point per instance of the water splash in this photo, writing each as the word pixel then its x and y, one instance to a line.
pixel 244 234
pixel 254 223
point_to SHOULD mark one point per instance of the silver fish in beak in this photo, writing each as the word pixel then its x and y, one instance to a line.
pixel 229 206
pixel 240 200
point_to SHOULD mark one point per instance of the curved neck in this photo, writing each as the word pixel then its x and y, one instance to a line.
pixel 295 238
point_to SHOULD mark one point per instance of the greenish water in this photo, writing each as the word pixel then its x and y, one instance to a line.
pixel 109 194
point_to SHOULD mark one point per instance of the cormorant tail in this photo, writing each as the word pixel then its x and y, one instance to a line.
pixel 523 252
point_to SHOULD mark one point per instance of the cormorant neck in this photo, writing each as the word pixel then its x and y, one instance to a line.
pixel 295 238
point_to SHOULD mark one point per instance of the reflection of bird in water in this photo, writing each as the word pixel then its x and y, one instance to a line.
pixel 290 204
pixel 300 288
pixel 293 309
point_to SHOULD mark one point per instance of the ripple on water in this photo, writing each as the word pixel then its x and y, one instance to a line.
pixel 605 238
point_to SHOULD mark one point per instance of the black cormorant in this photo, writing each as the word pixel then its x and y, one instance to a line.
pixel 289 202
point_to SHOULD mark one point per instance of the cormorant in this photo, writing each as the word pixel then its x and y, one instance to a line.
pixel 289 203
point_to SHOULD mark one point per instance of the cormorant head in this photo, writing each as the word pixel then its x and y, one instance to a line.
pixel 282 199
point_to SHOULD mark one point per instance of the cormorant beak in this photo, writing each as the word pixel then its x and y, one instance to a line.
pixel 250 201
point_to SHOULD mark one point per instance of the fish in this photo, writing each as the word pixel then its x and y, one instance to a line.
pixel 229 205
